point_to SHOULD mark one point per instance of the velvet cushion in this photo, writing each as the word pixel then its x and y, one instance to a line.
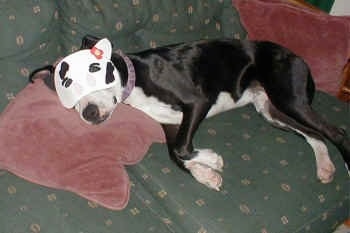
pixel 322 40
pixel 47 144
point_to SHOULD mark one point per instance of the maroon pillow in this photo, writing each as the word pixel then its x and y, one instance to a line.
pixel 45 143
pixel 322 40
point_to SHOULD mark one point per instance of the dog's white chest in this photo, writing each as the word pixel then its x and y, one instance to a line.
pixel 156 109
pixel 165 114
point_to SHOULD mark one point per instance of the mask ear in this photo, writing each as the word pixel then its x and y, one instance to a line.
pixel 102 49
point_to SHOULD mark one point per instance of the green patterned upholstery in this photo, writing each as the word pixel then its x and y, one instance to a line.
pixel 28 39
pixel 270 180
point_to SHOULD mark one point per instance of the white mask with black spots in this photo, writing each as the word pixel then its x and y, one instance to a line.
pixel 88 81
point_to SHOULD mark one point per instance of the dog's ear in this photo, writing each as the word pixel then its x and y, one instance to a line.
pixel 88 42
pixel 45 73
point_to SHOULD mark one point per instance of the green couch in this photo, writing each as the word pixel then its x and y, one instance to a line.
pixel 270 182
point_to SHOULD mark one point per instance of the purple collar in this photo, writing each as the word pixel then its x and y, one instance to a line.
pixel 131 75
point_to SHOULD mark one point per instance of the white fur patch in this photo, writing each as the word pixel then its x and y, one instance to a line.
pixel 325 167
pixel 159 111
pixel 163 112
pixel 208 158
pixel 223 103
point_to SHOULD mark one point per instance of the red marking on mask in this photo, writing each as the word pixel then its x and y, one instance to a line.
pixel 98 53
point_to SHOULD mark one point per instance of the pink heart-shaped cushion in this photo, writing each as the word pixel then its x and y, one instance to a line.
pixel 45 143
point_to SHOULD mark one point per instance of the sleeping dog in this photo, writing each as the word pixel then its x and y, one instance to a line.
pixel 179 85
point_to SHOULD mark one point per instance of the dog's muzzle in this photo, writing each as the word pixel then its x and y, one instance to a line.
pixel 92 114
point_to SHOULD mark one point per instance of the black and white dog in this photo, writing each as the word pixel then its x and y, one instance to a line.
pixel 184 83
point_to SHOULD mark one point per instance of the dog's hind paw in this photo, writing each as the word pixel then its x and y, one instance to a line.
pixel 205 175
pixel 326 172
pixel 209 158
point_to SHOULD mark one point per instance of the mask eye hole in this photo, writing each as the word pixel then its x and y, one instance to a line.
pixel 94 67
pixel 115 101
pixel 109 73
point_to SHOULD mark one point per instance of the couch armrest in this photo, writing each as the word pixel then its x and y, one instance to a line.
pixel 344 91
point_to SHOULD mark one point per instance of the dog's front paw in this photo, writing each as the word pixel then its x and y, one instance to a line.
pixel 204 174
pixel 209 158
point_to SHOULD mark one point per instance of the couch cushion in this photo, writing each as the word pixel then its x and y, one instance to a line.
pixel 322 40
pixel 140 24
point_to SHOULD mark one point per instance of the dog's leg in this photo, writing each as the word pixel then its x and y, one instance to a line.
pixel 291 89
pixel 336 135
pixel 302 112
pixel 203 164
pixel 204 156
pixel 325 167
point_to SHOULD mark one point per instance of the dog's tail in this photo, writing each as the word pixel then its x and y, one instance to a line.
pixel 35 74
pixel 45 73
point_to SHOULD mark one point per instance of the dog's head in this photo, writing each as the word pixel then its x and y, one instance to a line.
pixel 88 81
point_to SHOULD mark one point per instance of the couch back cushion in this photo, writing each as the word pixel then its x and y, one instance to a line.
pixel 140 24
pixel 24 26
pixel 321 39
pixel 28 39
